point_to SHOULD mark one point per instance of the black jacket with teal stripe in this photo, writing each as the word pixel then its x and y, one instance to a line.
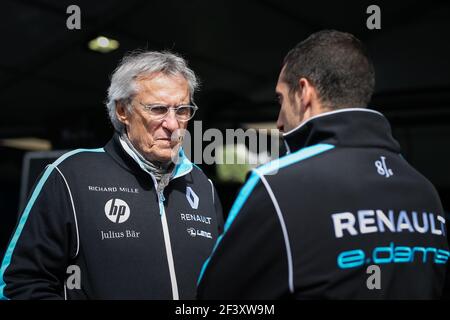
pixel 309 225
pixel 95 228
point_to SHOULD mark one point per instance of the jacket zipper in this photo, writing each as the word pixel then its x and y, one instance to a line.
pixel 167 243
pixel 162 212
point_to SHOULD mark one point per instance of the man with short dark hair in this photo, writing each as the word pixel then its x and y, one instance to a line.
pixel 342 215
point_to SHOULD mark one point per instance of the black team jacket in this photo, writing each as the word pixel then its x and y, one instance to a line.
pixel 95 228
pixel 342 216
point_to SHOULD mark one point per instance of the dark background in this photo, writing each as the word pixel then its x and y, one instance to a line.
pixel 53 87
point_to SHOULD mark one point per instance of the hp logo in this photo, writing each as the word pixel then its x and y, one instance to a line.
pixel 117 210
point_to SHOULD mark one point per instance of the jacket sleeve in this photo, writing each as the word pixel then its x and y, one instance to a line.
pixel 249 260
pixel 35 262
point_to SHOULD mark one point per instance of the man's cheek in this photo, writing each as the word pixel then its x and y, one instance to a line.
pixel 283 118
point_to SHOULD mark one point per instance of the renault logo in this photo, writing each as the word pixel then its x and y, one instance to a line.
pixel 192 198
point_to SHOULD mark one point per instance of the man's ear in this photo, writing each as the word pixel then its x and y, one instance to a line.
pixel 122 112
pixel 305 93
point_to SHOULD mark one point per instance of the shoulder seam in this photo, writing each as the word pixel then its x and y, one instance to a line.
pixel 273 166
pixel 74 212
pixel 73 152
pixel 212 190
pixel 283 230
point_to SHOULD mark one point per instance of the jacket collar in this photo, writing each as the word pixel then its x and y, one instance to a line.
pixel 116 151
pixel 351 127
pixel 184 165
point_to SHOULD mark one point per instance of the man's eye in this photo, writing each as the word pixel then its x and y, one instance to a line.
pixel 183 111
pixel 158 109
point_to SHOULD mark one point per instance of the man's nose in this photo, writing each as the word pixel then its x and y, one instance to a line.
pixel 170 121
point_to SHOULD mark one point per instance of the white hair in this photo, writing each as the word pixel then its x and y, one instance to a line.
pixel 123 85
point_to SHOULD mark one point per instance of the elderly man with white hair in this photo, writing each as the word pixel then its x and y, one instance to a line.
pixel 133 220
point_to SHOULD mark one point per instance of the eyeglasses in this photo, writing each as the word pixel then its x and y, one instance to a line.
pixel 183 112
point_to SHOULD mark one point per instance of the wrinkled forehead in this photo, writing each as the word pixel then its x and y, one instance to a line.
pixel 161 80
pixel 163 86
